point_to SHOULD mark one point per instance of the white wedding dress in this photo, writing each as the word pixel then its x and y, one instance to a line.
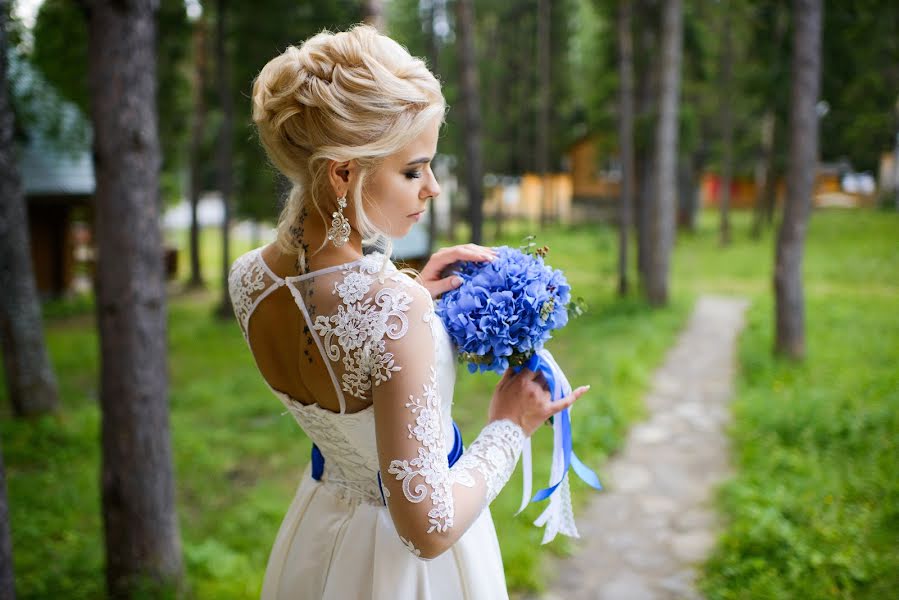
pixel 387 517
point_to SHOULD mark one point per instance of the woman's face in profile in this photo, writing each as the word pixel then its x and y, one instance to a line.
pixel 397 192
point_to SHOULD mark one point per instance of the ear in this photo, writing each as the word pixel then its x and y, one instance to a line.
pixel 341 175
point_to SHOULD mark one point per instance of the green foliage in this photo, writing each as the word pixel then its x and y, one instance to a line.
pixel 506 57
pixel 860 81
pixel 251 41
pixel 61 54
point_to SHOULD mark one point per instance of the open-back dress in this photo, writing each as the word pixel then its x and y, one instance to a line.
pixel 389 507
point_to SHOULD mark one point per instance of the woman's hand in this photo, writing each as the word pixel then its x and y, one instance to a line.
pixel 524 398
pixel 444 257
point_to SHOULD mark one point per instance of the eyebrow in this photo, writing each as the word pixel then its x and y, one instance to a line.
pixel 418 161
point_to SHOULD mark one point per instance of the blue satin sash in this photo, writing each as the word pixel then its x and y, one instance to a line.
pixel 455 453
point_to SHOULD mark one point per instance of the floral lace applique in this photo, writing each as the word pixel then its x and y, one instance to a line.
pixel 359 327
pixel 247 282
pixel 430 465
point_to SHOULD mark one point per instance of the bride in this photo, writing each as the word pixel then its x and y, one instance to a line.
pixel 390 505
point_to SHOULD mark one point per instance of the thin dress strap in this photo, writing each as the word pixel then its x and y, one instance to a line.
pixel 251 280
pixel 298 299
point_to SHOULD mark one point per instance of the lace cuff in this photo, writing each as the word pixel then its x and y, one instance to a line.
pixel 493 454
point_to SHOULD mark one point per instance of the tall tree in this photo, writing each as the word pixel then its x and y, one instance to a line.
pixel 60 52
pixel 30 380
pixel 726 122
pixel 666 149
pixel 138 489
pixel 647 65
pixel 803 157
pixel 625 136
pixel 468 79
pixel 543 88
pixel 198 128
pixel 768 76
pixel 225 154
pixel 10 193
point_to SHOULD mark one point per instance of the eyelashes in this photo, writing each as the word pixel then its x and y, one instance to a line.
pixel 413 175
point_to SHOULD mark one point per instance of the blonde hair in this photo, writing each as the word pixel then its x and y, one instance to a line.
pixel 352 95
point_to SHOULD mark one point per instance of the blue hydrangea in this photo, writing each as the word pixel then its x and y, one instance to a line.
pixel 505 309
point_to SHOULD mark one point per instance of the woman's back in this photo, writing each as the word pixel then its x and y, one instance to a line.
pixel 338 539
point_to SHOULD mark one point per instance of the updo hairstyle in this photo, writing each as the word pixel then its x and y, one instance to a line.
pixel 352 95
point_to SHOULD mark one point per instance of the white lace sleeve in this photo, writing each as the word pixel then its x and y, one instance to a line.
pixel 432 505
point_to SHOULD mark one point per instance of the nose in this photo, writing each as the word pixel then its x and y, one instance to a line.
pixel 433 190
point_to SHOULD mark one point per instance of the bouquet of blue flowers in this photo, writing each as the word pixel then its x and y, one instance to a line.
pixel 501 316
pixel 506 309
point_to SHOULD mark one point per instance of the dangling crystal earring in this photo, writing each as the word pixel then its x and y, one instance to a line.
pixel 339 232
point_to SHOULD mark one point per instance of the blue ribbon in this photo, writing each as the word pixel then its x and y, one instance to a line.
pixel 540 365
pixel 455 453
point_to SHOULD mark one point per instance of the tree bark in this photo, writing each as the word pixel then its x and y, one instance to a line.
pixel 764 176
pixel 225 154
pixel 143 546
pixel 663 215
pixel 806 76
pixel 727 124
pixel 625 138
pixel 646 93
pixel 468 84
pixel 30 381
pixel 196 144
pixel 543 83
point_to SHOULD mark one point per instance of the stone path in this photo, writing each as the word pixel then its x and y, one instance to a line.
pixel 642 537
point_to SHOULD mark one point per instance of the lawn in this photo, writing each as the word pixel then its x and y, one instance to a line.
pixel 238 458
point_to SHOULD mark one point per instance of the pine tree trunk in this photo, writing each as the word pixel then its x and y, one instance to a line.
pixel 625 138
pixel 137 481
pixel 665 192
pixel 468 84
pixel 764 179
pixel 644 148
pixel 727 124
pixel 543 83
pixel 30 381
pixel 196 144
pixel 806 76
pixel 225 159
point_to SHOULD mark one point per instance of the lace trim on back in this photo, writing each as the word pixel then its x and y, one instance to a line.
pixel 353 333
pixel 250 281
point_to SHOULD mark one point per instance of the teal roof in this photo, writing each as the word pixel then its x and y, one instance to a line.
pixel 55 157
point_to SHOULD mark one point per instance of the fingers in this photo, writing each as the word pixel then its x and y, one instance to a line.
pixel 562 404
pixel 465 252
pixel 444 285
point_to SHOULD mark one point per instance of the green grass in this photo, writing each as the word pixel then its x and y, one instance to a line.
pixel 822 432
pixel 814 509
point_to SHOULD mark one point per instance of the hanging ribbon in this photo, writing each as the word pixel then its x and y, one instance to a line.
pixel 558 516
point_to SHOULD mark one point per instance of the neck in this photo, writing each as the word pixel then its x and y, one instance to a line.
pixel 312 231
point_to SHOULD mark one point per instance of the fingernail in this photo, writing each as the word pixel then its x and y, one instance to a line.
pixel 457 281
